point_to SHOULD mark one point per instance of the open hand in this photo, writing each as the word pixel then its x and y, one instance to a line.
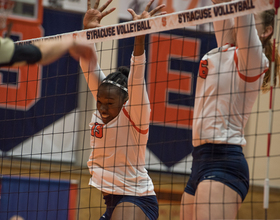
pixel 94 15
pixel 146 13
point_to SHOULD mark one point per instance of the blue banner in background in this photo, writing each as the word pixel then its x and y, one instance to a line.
pixel 57 88
pixel 32 198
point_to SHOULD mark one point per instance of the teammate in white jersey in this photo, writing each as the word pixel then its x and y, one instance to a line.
pixel 119 130
pixel 228 84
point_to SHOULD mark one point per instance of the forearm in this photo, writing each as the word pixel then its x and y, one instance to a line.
pixel 52 50
pixel 224 29
pixel 12 54
pixel 139 105
pixel 93 75
pixel 139 45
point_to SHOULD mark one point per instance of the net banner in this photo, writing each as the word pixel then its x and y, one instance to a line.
pixel 166 22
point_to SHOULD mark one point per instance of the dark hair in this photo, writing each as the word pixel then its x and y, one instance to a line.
pixel 268 20
pixel 119 77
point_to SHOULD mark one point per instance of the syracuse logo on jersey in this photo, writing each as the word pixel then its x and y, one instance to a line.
pixel 203 69
pixel 97 130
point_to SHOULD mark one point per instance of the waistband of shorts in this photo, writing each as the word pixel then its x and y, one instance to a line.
pixel 217 149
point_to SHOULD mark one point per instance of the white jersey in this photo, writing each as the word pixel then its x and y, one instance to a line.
pixel 228 84
pixel 117 160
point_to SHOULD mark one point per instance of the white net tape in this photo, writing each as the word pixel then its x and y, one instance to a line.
pixel 166 22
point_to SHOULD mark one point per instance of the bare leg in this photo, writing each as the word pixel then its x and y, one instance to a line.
pixel 187 204
pixel 214 200
pixel 127 210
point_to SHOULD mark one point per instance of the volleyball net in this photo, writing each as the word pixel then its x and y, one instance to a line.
pixel 45 114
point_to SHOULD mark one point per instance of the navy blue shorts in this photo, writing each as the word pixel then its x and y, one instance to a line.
pixel 148 204
pixel 220 162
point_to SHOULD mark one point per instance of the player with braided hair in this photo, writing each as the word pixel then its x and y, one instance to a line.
pixel 119 79
pixel 228 83
pixel 119 130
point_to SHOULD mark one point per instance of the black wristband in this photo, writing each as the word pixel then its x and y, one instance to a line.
pixel 28 53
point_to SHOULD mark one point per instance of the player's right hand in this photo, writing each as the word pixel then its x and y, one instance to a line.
pixel 86 52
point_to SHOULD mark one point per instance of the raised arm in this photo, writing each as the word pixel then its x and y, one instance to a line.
pixel 138 104
pixel 224 29
pixel 42 52
pixel 93 74
pixel 251 60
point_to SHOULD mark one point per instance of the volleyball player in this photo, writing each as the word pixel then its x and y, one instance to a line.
pixel 228 84
pixel 119 130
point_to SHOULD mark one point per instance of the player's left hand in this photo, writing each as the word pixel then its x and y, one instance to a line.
pixel 94 15
pixel 146 13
